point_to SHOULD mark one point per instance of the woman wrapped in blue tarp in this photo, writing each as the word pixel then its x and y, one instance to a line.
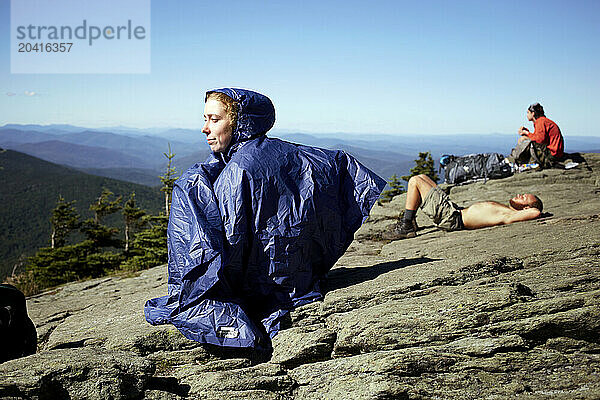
pixel 254 229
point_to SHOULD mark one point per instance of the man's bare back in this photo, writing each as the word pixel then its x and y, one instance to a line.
pixel 490 213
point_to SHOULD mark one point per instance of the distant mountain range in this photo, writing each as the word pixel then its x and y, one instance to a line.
pixel 29 190
pixel 147 177
pixel 136 155
pixel 438 145
pixel 80 156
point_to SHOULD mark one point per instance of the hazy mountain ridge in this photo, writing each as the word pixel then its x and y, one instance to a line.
pixel 436 144
pixel 384 154
pixel 81 156
pixel 147 177
pixel 143 146
pixel 12 136
pixel 131 158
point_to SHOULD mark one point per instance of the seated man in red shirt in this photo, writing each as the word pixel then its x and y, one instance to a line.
pixel 435 203
pixel 546 139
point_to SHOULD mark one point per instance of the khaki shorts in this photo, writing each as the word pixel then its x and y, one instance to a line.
pixel 444 213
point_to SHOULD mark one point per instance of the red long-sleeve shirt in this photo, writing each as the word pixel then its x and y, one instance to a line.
pixel 548 133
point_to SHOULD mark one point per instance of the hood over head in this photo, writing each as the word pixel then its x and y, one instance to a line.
pixel 256 113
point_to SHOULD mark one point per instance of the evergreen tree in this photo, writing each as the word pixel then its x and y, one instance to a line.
pixel 396 188
pixel 98 261
pixel 168 179
pixel 50 267
pixel 104 206
pixel 133 219
pixel 149 247
pixel 102 235
pixel 423 165
pixel 64 220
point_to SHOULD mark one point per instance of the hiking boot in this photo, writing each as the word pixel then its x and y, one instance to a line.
pixel 414 224
pixel 401 230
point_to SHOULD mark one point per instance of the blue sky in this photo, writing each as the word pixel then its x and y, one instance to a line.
pixel 394 67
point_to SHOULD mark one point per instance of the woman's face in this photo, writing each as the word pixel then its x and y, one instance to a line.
pixel 217 126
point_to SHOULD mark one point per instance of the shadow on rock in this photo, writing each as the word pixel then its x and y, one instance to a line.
pixel 168 384
pixel 576 158
pixel 255 356
pixel 339 278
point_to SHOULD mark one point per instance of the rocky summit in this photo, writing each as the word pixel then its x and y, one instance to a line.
pixel 497 313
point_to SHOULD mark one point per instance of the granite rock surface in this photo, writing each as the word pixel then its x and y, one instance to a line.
pixel 497 313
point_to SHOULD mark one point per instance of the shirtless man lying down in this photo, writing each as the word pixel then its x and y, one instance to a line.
pixel 446 215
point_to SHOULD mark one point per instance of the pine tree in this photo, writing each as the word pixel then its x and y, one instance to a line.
pixel 64 220
pixel 104 206
pixel 50 267
pixel 396 188
pixel 133 219
pixel 168 179
pixel 102 235
pixel 149 247
pixel 89 258
pixel 99 261
pixel 423 165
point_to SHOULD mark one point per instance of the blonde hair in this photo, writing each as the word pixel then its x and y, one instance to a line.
pixel 231 106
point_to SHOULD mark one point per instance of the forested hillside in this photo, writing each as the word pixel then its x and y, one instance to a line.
pixel 29 190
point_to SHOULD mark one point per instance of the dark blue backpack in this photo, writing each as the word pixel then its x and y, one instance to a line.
pixel 461 169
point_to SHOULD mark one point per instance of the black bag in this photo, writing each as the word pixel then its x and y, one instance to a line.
pixel 18 337
pixel 459 169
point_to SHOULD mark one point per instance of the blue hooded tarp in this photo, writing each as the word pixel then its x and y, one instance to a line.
pixel 254 230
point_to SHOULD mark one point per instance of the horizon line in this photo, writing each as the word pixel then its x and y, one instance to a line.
pixel 276 130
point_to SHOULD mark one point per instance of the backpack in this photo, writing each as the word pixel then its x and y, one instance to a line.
pixel 459 169
pixel 18 337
